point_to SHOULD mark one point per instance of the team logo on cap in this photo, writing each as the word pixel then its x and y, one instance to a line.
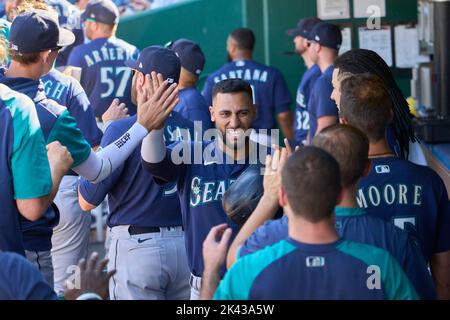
pixel 140 65
pixel 198 71
pixel 317 38
pixel 170 80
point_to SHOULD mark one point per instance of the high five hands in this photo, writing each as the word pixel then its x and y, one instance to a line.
pixel 156 99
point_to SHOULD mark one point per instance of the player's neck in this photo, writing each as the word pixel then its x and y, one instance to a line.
pixel 348 197
pixel 17 70
pixel 308 62
pixel 380 149
pixel 326 60
pixel 102 35
pixel 243 55
pixel 322 232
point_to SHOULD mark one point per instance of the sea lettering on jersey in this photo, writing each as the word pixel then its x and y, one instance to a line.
pixel 203 192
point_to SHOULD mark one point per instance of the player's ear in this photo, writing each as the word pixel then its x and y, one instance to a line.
pixel 140 79
pixel 211 111
pixel 44 55
pixel 340 196
pixel 391 115
pixel 254 110
pixel 343 120
pixel 282 197
pixel 367 168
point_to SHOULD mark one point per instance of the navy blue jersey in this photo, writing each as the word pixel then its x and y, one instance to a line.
pixel 21 141
pixel 57 125
pixel 134 199
pixel 201 186
pixel 68 92
pixel 410 196
pixel 355 225
pixel 291 270
pixel 320 103
pixel 301 126
pixel 193 106
pixel 20 280
pixel 270 92
pixel 104 75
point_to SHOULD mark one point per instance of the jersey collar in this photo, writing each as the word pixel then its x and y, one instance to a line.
pixel 348 212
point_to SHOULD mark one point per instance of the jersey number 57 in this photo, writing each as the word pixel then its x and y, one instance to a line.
pixel 110 76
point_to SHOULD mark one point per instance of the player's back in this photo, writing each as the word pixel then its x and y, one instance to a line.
pixel 104 74
pixel 18 122
pixel 292 270
pixel 10 235
pixel 354 224
pixel 67 91
pixel 270 93
pixel 410 196
pixel 20 280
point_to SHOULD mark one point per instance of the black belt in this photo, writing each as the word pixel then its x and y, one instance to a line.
pixel 134 230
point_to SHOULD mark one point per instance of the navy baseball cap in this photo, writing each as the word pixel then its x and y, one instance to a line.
pixel 104 11
pixel 158 59
pixel 304 27
pixel 327 35
pixel 37 31
pixel 190 54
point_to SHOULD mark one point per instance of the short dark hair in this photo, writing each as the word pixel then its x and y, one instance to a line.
pixel 245 38
pixel 232 86
pixel 366 105
pixel 312 182
pixel 24 58
pixel 349 146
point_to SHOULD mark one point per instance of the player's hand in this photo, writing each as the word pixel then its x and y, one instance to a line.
pixel 155 106
pixel 89 278
pixel 59 158
pixel 115 111
pixel 272 174
pixel 215 247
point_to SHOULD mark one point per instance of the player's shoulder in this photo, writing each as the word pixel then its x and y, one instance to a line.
pixel 424 173
pixel 264 257
pixel 16 102
pixel 365 252
pixel 122 44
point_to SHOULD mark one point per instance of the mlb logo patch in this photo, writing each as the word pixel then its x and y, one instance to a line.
pixel 382 169
pixel 314 262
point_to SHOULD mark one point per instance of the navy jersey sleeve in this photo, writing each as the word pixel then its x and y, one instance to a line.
pixel 269 233
pixel 207 90
pixel 443 221
pixel 81 110
pixel 20 280
pixel 281 94
pixel 325 106
pixel 96 193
